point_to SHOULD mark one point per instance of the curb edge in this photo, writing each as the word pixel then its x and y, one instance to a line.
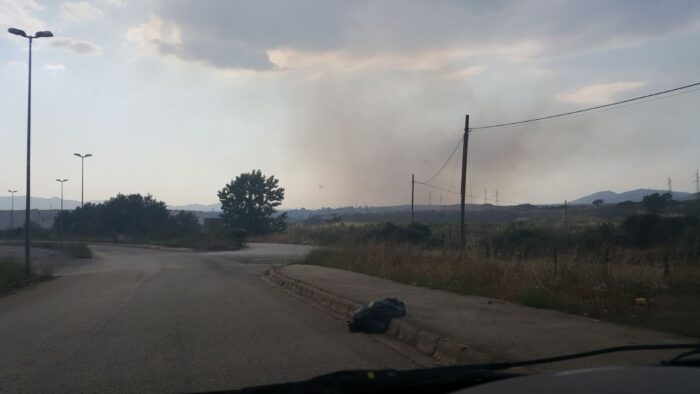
pixel 442 349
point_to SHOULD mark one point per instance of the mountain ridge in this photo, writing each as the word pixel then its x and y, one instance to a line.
pixel 636 195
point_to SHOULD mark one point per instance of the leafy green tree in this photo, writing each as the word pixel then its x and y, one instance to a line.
pixel 248 204
pixel 598 202
pixel 132 215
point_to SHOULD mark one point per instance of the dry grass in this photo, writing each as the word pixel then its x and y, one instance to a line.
pixel 11 273
pixel 625 286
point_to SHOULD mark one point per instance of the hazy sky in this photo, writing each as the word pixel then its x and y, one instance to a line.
pixel 343 100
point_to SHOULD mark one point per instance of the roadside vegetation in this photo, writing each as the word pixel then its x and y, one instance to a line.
pixel 643 269
pixel 11 273
pixel 134 219
pixel 74 249
pixel 249 209
pixel 14 276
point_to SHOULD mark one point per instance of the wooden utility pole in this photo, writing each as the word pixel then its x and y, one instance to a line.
pixel 413 187
pixel 463 188
pixel 566 220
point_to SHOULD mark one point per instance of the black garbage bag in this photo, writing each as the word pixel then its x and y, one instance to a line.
pixel 375 317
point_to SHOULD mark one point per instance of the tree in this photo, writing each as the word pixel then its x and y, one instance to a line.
pixel 248 204
pixel 598 202
pixel 655 203
pixel 130 215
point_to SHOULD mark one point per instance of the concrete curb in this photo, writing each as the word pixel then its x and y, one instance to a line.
pixel 337 304
pixel 442 349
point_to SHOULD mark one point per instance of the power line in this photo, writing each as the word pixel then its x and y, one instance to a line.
pixel 585 109
pixel 437 187
pixel 468 194
pixel 446 161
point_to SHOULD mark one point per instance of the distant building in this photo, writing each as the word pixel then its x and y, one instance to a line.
pixel 41 218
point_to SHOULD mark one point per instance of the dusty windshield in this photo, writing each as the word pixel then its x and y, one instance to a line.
pixel 211 195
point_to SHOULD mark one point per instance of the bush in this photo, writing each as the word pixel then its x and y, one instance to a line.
pixel 656 202
pixel 413 233
pixel 524 241
pixel 11 272
pixel 651 229
pixel 78 250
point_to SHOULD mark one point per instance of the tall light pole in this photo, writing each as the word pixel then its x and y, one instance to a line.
pixel 62 181
pixel 82 176
pixel 12 209
pixel 21 33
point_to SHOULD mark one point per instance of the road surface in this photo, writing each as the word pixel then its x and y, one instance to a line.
pixel 149 320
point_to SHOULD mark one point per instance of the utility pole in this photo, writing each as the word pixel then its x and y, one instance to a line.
pixel 566 219
pixel 485 196
pixel 463 187
pixel 670 190
pixel 413 187
pixel 496 196
pixel 62 181
pixel 12 209
pixel 430 199
pixel 697 184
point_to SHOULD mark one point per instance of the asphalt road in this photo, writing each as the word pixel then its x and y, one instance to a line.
pixel 147 320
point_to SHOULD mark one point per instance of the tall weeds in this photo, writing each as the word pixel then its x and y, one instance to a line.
pixel 651 288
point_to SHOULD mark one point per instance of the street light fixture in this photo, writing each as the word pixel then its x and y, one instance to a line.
pixel 12 209
pixel 41 34
pixel 61 213
pixel 82 176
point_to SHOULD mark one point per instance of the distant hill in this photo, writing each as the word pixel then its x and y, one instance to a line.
pixel 37 203
pixel 196 207
pixel 637 195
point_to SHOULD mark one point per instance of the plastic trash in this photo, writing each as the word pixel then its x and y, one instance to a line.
pixel 375 317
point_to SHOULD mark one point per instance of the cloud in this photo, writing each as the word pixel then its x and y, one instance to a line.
pixel 19 14
pixel 154 35
pixel 79 11
pixel 234 35
pixel 598 94
pixel 346 61
pixel 164 38
pixel 466 72
pixel 55 67
pixel 16 64
pixel 79 46
pixel 117 3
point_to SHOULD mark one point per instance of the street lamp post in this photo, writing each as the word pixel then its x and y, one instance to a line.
pixel 82 176
pixel 61 213
pixel 21 33
pixel 12 209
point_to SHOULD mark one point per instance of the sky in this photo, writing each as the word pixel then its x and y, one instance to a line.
pixel 343 101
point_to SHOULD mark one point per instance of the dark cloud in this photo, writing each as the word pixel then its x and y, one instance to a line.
pixel 237 34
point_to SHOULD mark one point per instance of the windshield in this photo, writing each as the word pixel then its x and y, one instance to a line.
pixel 211 195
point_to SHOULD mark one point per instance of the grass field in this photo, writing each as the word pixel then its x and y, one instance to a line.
pixel 662 295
